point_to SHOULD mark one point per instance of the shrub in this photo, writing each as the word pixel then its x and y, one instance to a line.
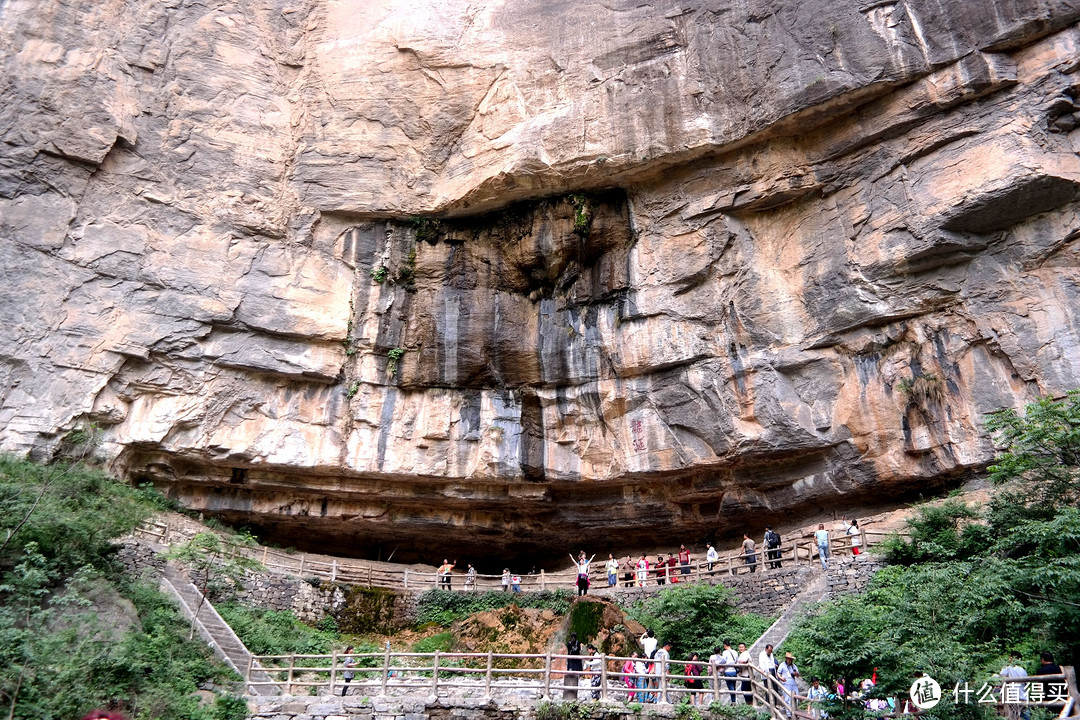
pixel 697 617
pixel 275 632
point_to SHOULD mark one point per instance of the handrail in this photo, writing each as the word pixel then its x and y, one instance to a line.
pixel 800 551
pixel 663 680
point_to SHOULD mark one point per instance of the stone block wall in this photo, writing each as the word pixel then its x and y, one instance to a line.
pixel 851 575
pixel 365 708
pixel 765 592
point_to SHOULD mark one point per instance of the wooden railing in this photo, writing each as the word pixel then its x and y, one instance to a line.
pixel 439 673
pixel 801 552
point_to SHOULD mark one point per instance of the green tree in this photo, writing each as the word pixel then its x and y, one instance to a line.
pixel 974 583
pixel 696 617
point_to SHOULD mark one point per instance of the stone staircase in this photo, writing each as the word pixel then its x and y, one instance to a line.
pixel 814 592
pixel 212 628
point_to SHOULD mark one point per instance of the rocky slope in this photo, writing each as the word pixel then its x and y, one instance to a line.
pixel 533 274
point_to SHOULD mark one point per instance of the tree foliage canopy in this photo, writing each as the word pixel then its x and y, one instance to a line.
pixel 971 584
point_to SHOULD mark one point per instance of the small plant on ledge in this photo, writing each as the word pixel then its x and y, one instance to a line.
pixel 392 364
pixel 379 273
pixel 922 388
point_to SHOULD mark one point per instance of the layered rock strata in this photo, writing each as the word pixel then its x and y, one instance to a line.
pixel 513 277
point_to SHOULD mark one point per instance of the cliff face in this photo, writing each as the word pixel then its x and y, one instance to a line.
pixel 534 274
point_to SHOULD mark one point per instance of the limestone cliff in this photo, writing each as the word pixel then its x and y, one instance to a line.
pixel 534 273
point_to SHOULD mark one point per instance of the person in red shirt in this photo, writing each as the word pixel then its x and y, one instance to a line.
pixel 684 559
pixel 672 564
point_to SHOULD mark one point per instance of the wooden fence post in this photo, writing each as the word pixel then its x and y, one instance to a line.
pixel 487 677
pixel 247 671
pixel 603 676
pixel 406 578
pixel 333 570
pixel 333 671
pixel 547 676
pixel 301 565
pixel 663 681
pixel 435 675
pixel 385 668
pixel 288 683
pixel 714 680
pixel 543 580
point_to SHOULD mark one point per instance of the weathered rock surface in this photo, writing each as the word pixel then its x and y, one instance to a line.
pixel 698 262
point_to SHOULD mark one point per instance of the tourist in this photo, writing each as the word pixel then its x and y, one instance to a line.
pixel 855 534
pixel 348 662
pixel 595 661
pixel 648 642
pixel 711 556
pixel 730 659
pixel 470 579
pixel 672 565
pixel 612 568
pixel 1013 695
pixel 515 583
pixel 506 580
pixel 772 543
pixel 628 571
pixel 1047 666
pixel 660 669
pixel 444 574
pixel 582 572
pixel 788 673
pixel 766 663
pixel 661 570
pixel 573 667
pixel 628 671
pixel 684 559
pixel 821 537
pixel 643 571
pixel 716 662
pixel 641 671
pixel 693 682
pixel 744 672
pixel 816 695
pixel 748 551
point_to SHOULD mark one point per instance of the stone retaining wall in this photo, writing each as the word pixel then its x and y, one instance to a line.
pixel 364 708
pixel 851 574
pixel 765 592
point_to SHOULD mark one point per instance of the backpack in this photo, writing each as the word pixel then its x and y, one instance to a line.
pixel 772 538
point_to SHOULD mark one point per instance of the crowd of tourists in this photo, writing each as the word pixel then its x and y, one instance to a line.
pixel 666 569
pixel 729 674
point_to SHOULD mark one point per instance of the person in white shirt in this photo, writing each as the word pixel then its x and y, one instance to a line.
pixel 711 556
pixel 815 694
pixel 821 537
pixel 856 537
pixel 593 666
pixel 744 672
pixel 648 643
pixel 766 663
pixel 660 669
pixel 730 659
pixel 470 579
pixel 1013 695
pixel 643 571
pixel 612 568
